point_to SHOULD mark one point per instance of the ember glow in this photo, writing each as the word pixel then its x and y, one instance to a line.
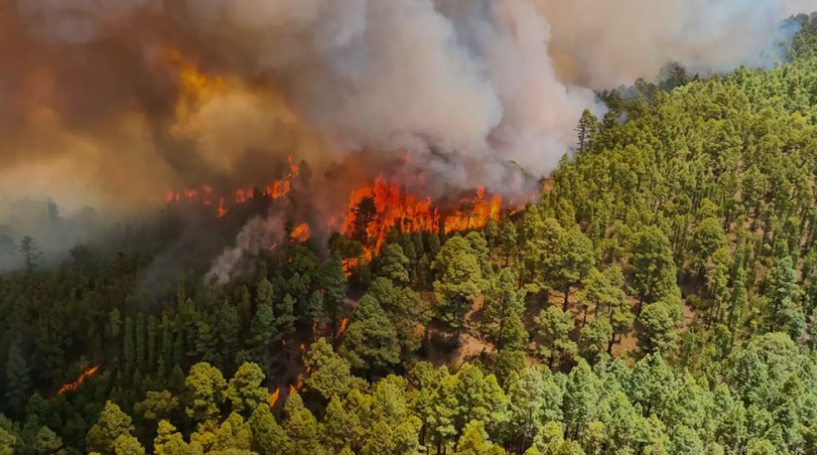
pixel 73 386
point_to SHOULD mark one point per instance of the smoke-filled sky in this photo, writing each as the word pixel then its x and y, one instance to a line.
pixel 92 110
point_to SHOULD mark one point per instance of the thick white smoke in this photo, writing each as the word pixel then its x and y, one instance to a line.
pixel 257 235
pixel 607 43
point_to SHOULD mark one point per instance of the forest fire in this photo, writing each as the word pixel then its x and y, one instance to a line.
pixel 476 215
pixel 349 265
pixel 301 232
pixel 74 385
pixel 273 398
pixel 343 324
pixel 205 195
pixel 374 211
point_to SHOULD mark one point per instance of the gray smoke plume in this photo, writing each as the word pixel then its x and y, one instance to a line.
pixel 257 235
pixel 88 108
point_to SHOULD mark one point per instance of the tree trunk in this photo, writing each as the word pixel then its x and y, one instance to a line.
pixel 567 297
pixel 638 308
pixel 499 341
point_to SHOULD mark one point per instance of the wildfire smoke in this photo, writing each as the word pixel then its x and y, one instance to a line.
pixel 106 102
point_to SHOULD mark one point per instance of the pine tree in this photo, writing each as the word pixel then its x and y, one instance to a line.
pixel 245 391
pixel 7 442
pixel 580 400
pixel 394 264
pixel 169 442
pixel 781 289
pixel 128 445
pixel 652 265
pixel 263 327
pixel 553 326
pixel 157 405
pixel 340 428
pixel 152 338
pixel 659 328
pixel 206 387
pixel 329 374
pixel 301 428
pixel 586 131
pixel 504 304
pixel 460 282
pixel 228 330
pixel 17 378
pixel 268 436
pixel 112 424
pixel 371 339
pixel 130 348
pixel 507 237
pixel 140 343
pixel 333 280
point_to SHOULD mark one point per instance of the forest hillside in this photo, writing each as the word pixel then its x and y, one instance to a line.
pixel 659 298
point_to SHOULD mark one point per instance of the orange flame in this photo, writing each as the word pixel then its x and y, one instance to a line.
pixel 301 232
pixel 273 398
pixel 303 350
pixel 406 212
pixel 275 190
pixel 343 324
pixel 300 384
pixel 291 389
pixel 349 264
pixel 73 386
pixel 478 216
pixel 392 209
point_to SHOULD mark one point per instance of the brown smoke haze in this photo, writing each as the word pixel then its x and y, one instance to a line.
pixel 114 102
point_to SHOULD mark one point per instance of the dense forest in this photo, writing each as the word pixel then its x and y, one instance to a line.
pixel 659 298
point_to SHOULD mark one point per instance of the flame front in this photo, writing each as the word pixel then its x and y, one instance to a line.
pixel 205 195
pixel 392 208
pixel 474 214
pixel 73 386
